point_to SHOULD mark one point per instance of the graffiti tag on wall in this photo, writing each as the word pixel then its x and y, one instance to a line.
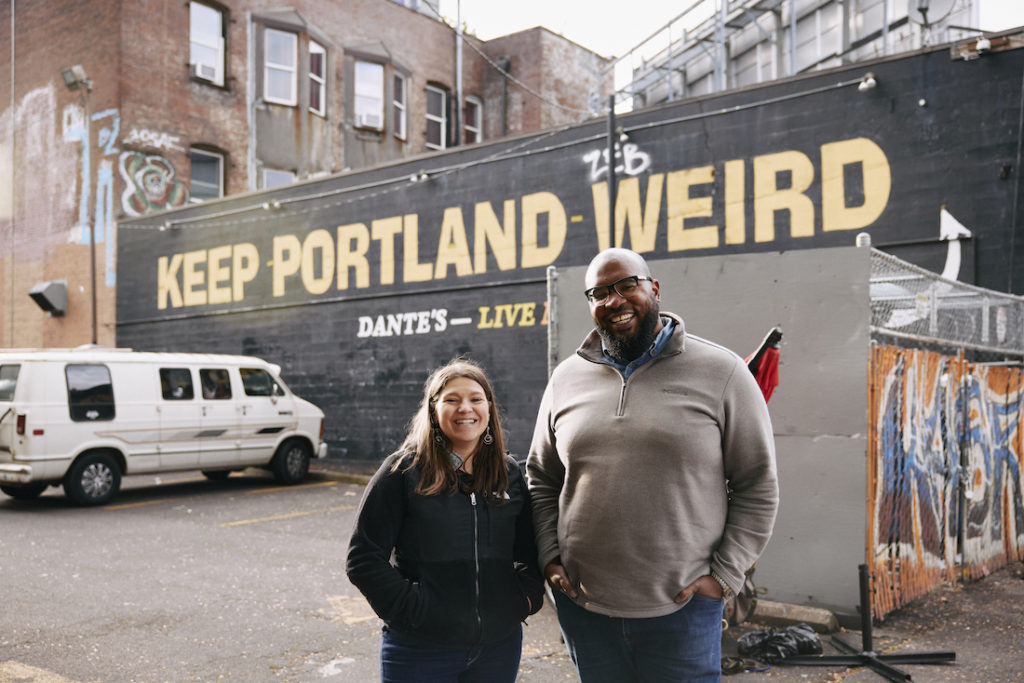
pixel 945 472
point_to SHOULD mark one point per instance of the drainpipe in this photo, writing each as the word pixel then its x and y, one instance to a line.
pixel 505 64
pixel 457 137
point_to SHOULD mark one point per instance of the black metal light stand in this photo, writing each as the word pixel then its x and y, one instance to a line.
pixel 866 656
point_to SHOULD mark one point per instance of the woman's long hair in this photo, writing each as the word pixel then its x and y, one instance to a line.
pixel 437 473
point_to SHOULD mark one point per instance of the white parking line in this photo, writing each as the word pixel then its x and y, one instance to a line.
pixel 290 515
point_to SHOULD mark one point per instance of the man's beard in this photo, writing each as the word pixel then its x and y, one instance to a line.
pixel 632 347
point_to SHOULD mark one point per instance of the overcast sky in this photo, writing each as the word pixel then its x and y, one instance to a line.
pixel 612 27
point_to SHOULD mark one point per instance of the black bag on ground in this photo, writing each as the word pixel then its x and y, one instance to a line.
pixel 774 645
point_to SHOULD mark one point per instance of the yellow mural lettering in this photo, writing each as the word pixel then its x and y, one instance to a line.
pixel 599 197
pixel 245 264
pixel 682 205
pixel 453 246
pixel 287 260
pixel 770 198
pixel 413 270
pixel 643 223
pixel 526 314
pixel 485 318
pixel 535 205
pixel 384 231
pixel 501 236
pixel 167 281
pixel 193 279
pixel 876 178
pixel 735 206
pixel 219 273
pixel 317 241
pixel 544 318
pixel 353 243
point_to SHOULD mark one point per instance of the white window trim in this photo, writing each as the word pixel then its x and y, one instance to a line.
pixel 220 173
pixel 361 118
pixel 442 119
pixel 479 128
pixel 400 108
pixel 292 99
pixel 218 65
pixel 319 82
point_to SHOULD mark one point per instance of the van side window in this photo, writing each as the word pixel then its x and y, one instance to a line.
pixel 90 392
pixel 259 382
pixel 8 381
pixel 176 384
pixel 216 383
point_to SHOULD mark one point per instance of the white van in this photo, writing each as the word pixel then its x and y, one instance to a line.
pixel 85 417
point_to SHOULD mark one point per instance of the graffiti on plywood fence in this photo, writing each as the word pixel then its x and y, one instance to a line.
pixel 944 471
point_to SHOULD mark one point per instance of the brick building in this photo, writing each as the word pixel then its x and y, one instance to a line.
pixel 177 102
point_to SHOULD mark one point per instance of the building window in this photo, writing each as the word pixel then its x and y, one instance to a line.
pixel 437 117
pixel 206 43
pixel 280 67
pixel 275 177
pixel 472 120
pixel 207 179
pixel 399 106
pixel 369 91
pixel 317 78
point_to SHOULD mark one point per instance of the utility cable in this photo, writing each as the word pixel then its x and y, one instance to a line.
pixel 461 36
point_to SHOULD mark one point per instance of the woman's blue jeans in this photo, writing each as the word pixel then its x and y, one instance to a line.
pixel 683 646
pixel 404 659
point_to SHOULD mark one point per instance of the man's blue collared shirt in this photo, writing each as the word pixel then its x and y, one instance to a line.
pixel 655 349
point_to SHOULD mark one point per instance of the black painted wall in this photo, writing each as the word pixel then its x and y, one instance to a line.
pixel 801 163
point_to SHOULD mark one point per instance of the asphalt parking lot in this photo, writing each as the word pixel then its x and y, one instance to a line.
pixel 184 579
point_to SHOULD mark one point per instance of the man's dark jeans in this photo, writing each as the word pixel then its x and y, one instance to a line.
pixel 683 646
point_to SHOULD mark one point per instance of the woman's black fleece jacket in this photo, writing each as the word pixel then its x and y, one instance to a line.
pixel 463 567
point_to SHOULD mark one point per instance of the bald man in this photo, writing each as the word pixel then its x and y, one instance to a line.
pixel 653 479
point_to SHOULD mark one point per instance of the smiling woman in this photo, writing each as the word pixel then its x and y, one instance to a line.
pixel 451 507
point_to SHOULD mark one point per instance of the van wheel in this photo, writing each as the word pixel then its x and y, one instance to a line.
pixel 93 480
pixel 27 492
pixel 291 462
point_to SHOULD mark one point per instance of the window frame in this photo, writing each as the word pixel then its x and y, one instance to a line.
pixel 318 82
pixel 400 106
pixel 221 157
pixel 220 47
pixel 293 69
pixel 212 388
pixel 268 169
pixel 171 379
pixel 79 411
pixel 478 129
pixel 379 96
pixel 441 121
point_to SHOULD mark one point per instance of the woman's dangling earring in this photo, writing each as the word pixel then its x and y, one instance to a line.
pixel 488 439
pixel 438 436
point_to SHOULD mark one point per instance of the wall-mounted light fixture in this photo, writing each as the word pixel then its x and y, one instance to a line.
pixel 867 82
pixel 75 78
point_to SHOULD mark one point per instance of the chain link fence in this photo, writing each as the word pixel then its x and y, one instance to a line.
pixel 946 431
pixel 910 305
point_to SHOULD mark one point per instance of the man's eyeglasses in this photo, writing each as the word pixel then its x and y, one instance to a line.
pixel 624 287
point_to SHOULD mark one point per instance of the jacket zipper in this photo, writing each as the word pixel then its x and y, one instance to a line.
pixel 476 562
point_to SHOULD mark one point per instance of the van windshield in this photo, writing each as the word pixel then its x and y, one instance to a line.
pixel 8 381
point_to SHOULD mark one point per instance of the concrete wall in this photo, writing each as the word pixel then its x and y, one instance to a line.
pixel 819 298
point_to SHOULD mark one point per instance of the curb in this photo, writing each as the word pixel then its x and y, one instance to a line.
pixel 783 614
